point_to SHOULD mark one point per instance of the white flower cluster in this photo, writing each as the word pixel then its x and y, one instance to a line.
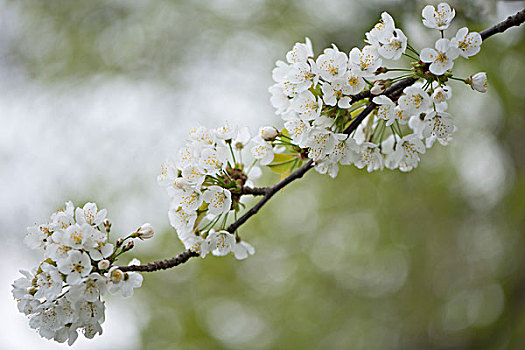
pixel 317 97
pixel 199 185
pixel 63 294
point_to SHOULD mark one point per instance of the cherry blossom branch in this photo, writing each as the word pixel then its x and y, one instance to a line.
pixel 268 192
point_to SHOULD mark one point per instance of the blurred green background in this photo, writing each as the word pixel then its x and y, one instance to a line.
pixel 432 259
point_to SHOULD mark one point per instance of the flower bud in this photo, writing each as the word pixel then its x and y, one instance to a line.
pixel 268 133
pixel 103 264
pixel 381 70
pixel 378 88
pixel 144 232
pixel 478 82
pixel 119 242
pixel 128 246
pixel 107 225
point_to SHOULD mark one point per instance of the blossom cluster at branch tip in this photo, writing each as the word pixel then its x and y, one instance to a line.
pixel 316 97
pixel 63 294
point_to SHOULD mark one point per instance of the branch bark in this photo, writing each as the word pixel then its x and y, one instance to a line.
pixel 511 21
pixel 161 264
pixel 268 192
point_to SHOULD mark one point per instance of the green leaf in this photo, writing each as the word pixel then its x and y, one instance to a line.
pixel 282 163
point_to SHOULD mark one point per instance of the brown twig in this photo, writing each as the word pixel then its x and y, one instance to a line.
pixel 253 191
pixel 269 192
pixel 161 264
pixel 511 21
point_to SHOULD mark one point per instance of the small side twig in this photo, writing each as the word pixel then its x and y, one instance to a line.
pixel 253 191
pixel 161 264
pixel 270 192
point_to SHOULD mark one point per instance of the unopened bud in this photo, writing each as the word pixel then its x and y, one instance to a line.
pixel 104 264
pixel 381 70
pixel 378 88
pixel 128 246
pixel 107 225
pixel 119 242
pixel 144 232
pixel 478 82
pixel 268 133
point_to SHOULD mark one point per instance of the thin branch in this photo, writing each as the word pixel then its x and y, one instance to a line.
pixel 254 191
pixel 161 264
pixel 269 192
pixel 511 21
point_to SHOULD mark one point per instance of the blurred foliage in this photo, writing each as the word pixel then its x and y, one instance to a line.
pixel 366 261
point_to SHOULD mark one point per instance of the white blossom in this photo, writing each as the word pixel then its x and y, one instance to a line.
pixel 370 157
pixel 297 128
pixel 300 52
pixel 263 151
pixel 212 160
pixel 195 174
pixel 202 135
pixel 441 94
pixel 354 83
pixel 37 236
pixel 442 58
pixel 406 154
pixel 224 132
pixel 75 236
pixel 382 31
pixel 188 199
pixel 241 250
pixel 414 100
pixel 182 220
pixel 468 44
pixel 320 143
pixel 279 99
pixel 394 47
pixel 90 214
pixel 333 93
pixel 63 218
pixel 168 173
pixel 332 64
pixel 439 18
pixel 386 110
pixel 365 62
pixel 218 199
pixel 98 247
pixel 90 289
pixel 307 105
pixel 440 124
pixel 221 242
pixel 75 266
pixel 48 282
